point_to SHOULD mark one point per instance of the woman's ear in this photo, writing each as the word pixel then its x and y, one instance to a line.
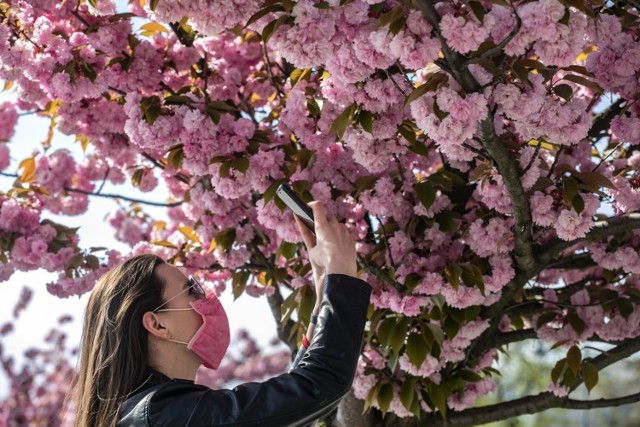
pixel 154 325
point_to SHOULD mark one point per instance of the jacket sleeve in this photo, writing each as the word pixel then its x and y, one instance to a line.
pixel 307 392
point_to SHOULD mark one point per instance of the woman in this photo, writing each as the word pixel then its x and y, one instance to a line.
pixel 148 328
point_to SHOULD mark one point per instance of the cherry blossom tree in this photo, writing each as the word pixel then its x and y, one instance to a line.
pixel 484 155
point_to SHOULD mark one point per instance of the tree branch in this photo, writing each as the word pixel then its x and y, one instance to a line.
pixel 514 336
pixel 284 330
pixel 532 404
pixel 456 65
pixel 601 403
pixel 496 49
pixel 128 199
pixel 600 230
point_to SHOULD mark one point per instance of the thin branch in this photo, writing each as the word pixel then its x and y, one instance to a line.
pixel 10 175
pixel 555 161
pixel 496 49
pixel 104 179
pixel 118 91
pixel 579 261
pixel 128 199
pixel 180 177
pixel 284 330
pixel 602 160
pixel 601 403
pixel 601 230
pixel 514 336
pixel 533 158
pixel 394 82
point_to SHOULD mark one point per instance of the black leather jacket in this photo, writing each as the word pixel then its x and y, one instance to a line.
pixel 307 392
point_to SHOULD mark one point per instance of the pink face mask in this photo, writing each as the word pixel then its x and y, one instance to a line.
pixel 211 340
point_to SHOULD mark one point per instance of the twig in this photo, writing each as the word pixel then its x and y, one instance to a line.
pixel 117 90
pixel 607 156
pixel 496 49
pixel 128 199
pixel 104 180
pixel 394 82
pixel 533 158
pixel 555 161
pixel 601 403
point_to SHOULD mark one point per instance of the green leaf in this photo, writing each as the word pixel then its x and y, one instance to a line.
pixel 397 25
pixel 569 190
pixel 625 307
pixel 121 16
pixel 563 91
pixel 446 222
pixel 477 10
pixel 545 318
pixel 399 333
pixel 371 396
pixel 264 11
pixel 299 74
pixel 416 349
pixel 578 204
pixel 151 108
pixel 584 82
pixel 176 157
pixel 408 392
pixel 92 262
pixel 366 120
pixel 341 122
pixel 565 18
pixel 574 357
pixel 407 130
pixel 366 182
pixel 239 283
pixel 589 375
pixel 287 249
pixel 452 274
pixel 594 180
pixel 558 370
pixel 270 28
pixel 426 193
pixel 225 238
pixel 177 100
pixel 433 82
pixel 313 107
pixel 576 322
pixel 440 114
pixel 241 164
pixel 385 395
pixel 439 398
pixel 153 4
pixel 385 331
pixel 389 17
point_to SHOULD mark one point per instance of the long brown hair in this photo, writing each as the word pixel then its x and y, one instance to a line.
pixel 113 355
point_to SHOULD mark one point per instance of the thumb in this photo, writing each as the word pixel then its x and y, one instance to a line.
pixel 307 236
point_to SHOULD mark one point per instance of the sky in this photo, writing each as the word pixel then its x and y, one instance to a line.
pixel 45 309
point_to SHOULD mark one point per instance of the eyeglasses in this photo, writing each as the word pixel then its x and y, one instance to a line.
pixel 194 288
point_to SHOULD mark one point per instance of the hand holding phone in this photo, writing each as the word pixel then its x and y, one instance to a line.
pixel 334 250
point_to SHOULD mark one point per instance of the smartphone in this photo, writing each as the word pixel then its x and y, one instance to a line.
pixel 293 202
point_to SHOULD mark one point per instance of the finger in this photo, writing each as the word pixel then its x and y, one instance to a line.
pixel 307 236
pixel 319 213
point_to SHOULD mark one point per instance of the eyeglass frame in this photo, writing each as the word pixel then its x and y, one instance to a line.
pixel 193 284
